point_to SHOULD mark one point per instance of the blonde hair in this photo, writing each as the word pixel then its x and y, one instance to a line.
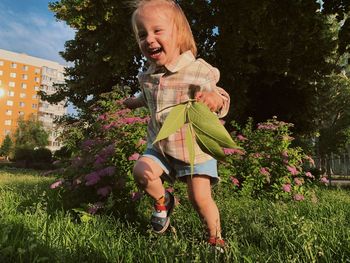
pixel 185 36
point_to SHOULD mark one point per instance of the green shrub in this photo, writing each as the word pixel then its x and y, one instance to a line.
pixel 43 155
pixel 268 166
pixel 23 154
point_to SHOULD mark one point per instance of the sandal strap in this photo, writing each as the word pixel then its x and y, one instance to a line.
pixel 215 241
pixel 160 207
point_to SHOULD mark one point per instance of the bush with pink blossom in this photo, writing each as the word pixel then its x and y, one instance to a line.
pixel 99 174
pixel 269 166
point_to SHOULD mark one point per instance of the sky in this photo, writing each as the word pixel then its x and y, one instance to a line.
pixel 28 26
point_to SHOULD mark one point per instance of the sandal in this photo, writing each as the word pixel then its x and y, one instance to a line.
pixel 161 224
pixel 217 242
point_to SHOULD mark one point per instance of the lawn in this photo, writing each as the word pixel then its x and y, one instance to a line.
pixel 34 227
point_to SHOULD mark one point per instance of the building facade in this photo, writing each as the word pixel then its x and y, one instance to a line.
pixel 21 77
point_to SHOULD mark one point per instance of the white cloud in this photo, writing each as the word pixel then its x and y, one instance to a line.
pixel 37 35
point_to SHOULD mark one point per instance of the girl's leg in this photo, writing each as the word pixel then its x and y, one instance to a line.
pixel 199 193
pixel 147 174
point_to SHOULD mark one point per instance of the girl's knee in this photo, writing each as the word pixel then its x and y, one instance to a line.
pixel 145 171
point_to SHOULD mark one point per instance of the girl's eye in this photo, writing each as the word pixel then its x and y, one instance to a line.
pixel 158 30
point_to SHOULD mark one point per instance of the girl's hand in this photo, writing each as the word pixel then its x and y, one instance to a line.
pixel 134 102
pixel 212 99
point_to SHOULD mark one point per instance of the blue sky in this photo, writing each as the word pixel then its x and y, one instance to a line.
pixel 28 26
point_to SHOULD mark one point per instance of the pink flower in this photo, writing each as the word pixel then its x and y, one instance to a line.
pixel 308 174
pixel 235 181
pixel 104 191
pixel 56 184
pixel 286 188
pixel 102 117
pixel 136 196
pixel 241 137
pixel 92 179
pixel 170 189
pixel 264 171
pixel 257 155
pixel 134 157
pixel 229 151
pixel 292 170
pixel 324 180
pixel 141 142
pixel 298 197
pixel 311 161
pixel 298 181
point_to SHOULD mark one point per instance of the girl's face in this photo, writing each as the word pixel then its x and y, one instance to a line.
pixel 157 34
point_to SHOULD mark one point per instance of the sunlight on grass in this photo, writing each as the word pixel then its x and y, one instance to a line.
pixel 35 228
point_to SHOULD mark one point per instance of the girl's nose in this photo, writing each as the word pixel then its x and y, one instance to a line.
pixel 150 38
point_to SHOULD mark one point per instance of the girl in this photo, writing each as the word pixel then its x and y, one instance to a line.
pixel 174 75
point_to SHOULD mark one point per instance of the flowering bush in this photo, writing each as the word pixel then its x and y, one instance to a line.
pixel 269 165
pixel 100 172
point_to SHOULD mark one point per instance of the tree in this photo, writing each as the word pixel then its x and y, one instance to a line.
pixel 30 133
pixel 6 147
pixel 273 55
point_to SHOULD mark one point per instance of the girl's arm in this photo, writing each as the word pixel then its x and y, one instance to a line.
pixel 134 102
pixel 217 100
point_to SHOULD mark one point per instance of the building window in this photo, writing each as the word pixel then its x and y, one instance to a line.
pixel 20 113
pixel 22 95
pixel 35 96
pixel 7 132
pixel 24 76
pixel 1 72
pixel 24 85
pixel 37 79
pixel 21 104
pixel 1 63
pixel 0 82
pixel 8 112
pixel 13 65
pixel 13 75
pixel 11 93
pixel 9 103
pixel 34 106
pixel 25 67
pixel 12 84
pixel 8 122
pixel 37 70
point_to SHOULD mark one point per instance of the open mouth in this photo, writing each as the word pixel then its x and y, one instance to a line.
pixel 155 52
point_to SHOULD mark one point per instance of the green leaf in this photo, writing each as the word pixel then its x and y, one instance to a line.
pixel 208 123
pixel 189 141
pixel 209 145
pixel 174 121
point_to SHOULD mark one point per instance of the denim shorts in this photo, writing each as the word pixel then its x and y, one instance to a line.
pixel 174 168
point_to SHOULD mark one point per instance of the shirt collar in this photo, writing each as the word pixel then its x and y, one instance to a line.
pixel 182 61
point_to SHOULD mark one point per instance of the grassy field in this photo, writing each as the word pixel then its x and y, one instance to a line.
pixel 35 228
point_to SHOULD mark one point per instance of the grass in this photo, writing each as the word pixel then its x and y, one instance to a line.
pixel 34 227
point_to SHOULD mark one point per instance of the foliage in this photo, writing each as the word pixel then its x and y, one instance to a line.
pixel 259 46
pixel 99 174
pixel 269 166
pixel 194 117
pixel 6 146
pixel 30 133
pixel 102 166
pixel 40 158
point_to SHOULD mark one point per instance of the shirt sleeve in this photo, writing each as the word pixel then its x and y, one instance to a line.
pixel 226 98
pixel 212 78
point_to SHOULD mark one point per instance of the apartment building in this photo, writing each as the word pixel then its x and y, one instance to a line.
pixel 21 77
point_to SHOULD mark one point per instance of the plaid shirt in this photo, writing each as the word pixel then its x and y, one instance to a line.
pixel 171 85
